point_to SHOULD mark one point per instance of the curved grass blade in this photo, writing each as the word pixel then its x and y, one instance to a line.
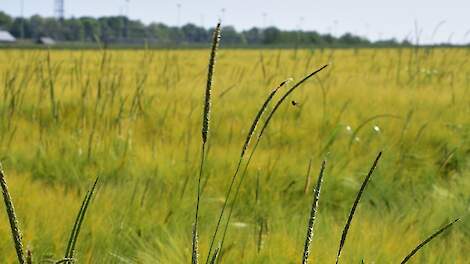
pixel 283 98
pixel 353 209
pixel 313 214
pixel 260 135
pixel 15 229
pixel 427 240
pixel 79 221
pixel 75 224
pixel 242 154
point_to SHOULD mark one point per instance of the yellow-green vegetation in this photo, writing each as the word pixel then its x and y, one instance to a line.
pixel 133 118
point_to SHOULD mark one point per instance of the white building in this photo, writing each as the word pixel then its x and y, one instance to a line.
pixel 45 41
pixel 5 36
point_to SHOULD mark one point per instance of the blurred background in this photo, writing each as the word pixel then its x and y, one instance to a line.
pixel 276 23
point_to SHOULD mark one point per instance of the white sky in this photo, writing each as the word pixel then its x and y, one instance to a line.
pixel 371 18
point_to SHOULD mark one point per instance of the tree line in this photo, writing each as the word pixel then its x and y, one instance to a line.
pixel 120 29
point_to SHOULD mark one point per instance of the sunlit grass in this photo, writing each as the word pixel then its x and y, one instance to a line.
pixel 145 127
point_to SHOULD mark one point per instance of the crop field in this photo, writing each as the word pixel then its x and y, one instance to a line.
pixel 133 118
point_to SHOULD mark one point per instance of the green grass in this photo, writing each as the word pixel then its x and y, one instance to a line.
pixel 133 119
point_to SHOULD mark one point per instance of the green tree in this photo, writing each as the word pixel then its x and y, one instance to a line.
pixel 193 33
pixel 271 35
pixel 73 30
pixel 21 28
pixel 91 28
pixel 159 32
pixel 253 36
pixel 231 36
pixel 5 21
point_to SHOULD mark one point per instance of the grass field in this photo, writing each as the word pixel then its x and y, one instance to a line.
pixel 133 118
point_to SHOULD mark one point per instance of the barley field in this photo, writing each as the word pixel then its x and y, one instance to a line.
pixel 133 118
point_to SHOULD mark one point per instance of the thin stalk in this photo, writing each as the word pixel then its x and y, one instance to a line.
pixel 260 135
pixel 240 160
pixel 54 112
pixel 15 229
pixel 195 238
pixel 205 134
pixel 427 240
pixel 353 209
pixel 214 256
pixel 79 221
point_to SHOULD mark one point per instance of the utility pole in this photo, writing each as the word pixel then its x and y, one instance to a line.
pixel 264 20
pixel 222 16
pixel 202 20
pixel 126 8
pixel 22 19
pixel 126 19
pixel 178 15
pixel 59 9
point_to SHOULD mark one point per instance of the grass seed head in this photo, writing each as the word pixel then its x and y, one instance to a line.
pixel 210 74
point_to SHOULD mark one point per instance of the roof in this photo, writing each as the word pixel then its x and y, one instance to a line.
pixel 46 41
pixel 5 36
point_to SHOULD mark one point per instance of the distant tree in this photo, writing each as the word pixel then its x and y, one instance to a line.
pixel 271 35
pixel 253 36
pixel 73 30
pixel 386 42
pixel 105 30
pixel 406 42
pixel 289 37
pixel 52 28
pixel 117 26
pixel 328 39
pixel 21 27
pixel 175 35
pixel 313 37
pixel 231 36
pixel 137 30
pixel 122 29
pixel 159 32
pixel 5 21
pixel 193 33
pixel 91 28
pixel 349 39
pixel 37 26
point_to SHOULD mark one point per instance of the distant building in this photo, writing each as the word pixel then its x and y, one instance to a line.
pixel 45 41
pixel 6 37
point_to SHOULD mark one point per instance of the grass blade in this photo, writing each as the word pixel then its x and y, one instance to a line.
pixel 260 135
pixel 283 98
pixel 79 221
pixel 242 154
pixel 75 224
pixel 313 213
pixel 15 229
pixel 427 240
pixel 215 255
pixel 353 209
